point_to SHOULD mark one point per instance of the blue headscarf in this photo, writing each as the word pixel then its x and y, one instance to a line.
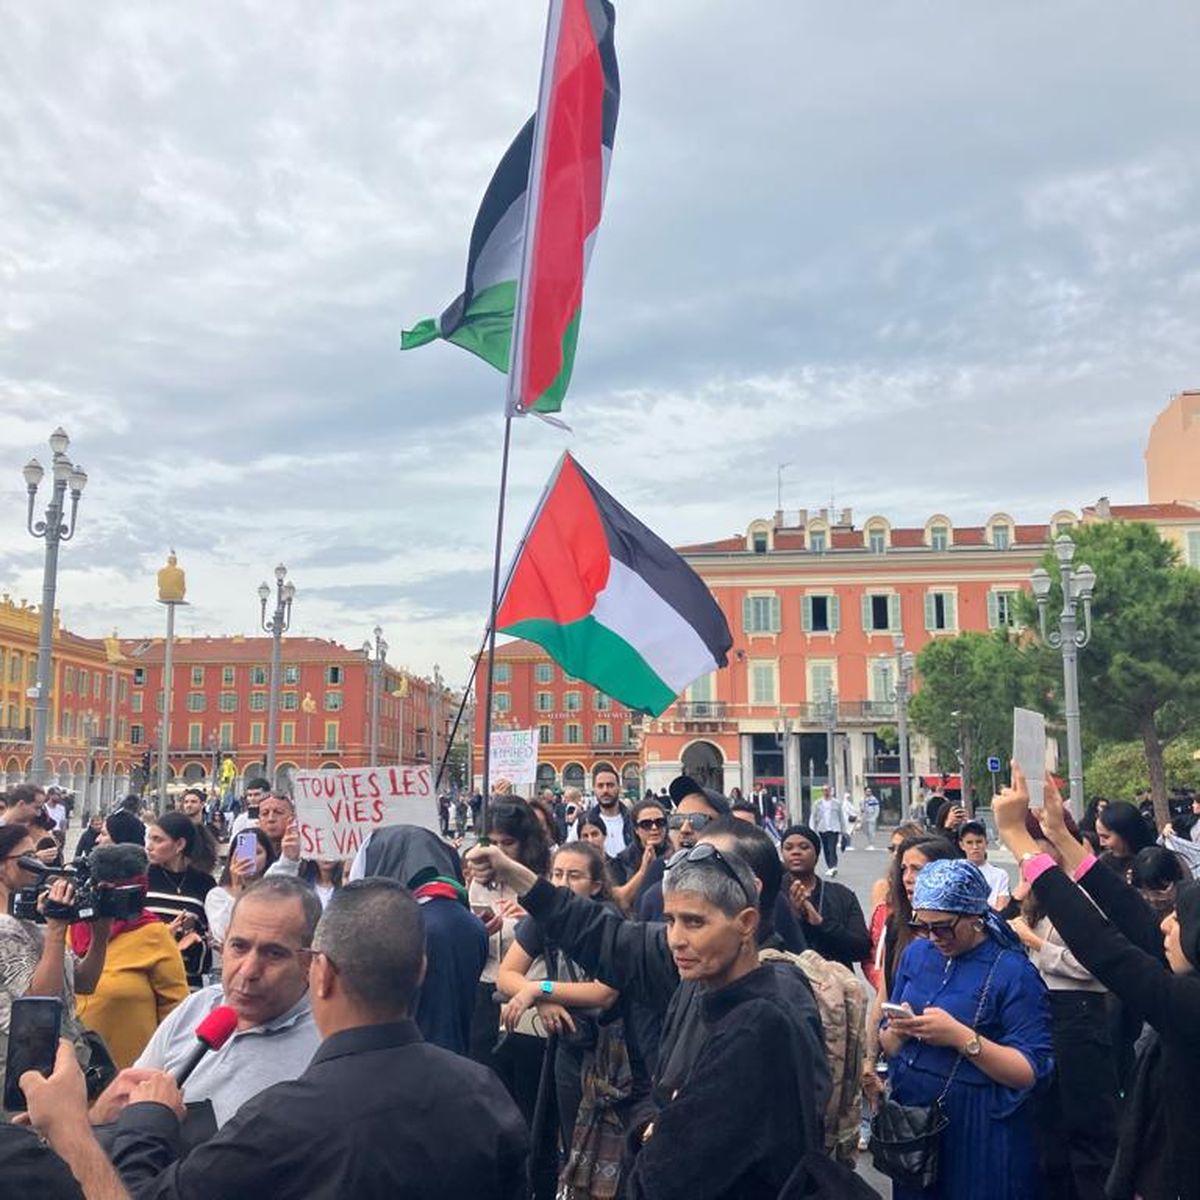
pixel 956 886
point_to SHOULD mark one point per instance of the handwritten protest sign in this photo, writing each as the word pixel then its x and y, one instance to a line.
pixel 336 810
pixel 514 755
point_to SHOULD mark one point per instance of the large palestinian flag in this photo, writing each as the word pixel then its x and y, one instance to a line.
pixel 534 232
pixel 613 604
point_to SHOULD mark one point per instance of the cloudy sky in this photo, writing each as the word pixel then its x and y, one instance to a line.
pixel 939 255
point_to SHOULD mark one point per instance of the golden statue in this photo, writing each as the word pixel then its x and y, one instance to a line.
pixel 112 648
pixel 172 585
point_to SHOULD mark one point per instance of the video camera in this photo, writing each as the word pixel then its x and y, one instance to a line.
pixel 94 898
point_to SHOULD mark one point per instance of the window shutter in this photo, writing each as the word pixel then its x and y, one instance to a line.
pixel 894 613
pixel 776 616
pixel 747 614
pixel 806 621
pixel 951 611
pixel 866 612
pixel 834 609
pixel 930 611
pixel 993 611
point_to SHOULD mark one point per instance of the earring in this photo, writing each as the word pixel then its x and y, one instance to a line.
pixel 979 926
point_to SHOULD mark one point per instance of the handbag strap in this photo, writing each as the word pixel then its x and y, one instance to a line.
pixel 983 995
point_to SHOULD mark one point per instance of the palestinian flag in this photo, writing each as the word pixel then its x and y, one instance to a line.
pixel 613 604
pixel 534 232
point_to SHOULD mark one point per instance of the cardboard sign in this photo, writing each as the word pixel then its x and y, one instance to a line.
pixel 513 756
pixel 336 810
pixel 1029 750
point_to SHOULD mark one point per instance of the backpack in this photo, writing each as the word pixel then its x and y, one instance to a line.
pixel 842 1007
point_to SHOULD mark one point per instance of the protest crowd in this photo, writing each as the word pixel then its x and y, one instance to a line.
pixel 603 999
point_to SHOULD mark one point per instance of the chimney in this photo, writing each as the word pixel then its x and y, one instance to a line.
pixel 1104 509
pixel 801 518
pixel 846 518
pixel 779 518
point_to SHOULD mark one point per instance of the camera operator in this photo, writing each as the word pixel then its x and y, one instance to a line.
pixel 34 959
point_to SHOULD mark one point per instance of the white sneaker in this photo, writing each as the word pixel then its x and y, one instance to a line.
pixel 870 847
pixel 847 849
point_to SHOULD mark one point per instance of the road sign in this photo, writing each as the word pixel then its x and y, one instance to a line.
pixel 993 764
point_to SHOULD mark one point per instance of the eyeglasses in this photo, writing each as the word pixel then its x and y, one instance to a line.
pixel 695 820
pixel 652 823
pixel 707 852
pixel 938 930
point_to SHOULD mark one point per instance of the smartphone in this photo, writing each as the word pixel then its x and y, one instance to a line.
pixel 245 849
pixel 896 1010
pixel 252 811
pixel 33 1033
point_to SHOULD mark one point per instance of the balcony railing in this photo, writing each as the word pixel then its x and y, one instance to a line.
pixel 700 710
pixel 15 733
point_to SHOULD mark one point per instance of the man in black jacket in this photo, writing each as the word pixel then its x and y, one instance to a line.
pixel 379 1114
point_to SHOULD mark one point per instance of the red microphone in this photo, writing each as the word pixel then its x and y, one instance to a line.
pixel 212 1033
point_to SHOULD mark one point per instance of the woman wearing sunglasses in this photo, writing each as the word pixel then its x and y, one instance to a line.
pixel 978 1037
pixel 632 866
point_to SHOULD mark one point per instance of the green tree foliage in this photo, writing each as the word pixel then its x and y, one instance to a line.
pixel 1118 771
pixel 1139 679
pixel 969 686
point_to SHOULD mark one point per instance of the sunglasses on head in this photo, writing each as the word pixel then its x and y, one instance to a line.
pixel 652 823
pixel 706 852
pixel 695 820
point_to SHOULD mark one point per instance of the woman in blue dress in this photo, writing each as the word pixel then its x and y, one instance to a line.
pixel 981 1020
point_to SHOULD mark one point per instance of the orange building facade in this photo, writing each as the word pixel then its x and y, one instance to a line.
pixel 580 729
pixel 1173 451
pixel 219 704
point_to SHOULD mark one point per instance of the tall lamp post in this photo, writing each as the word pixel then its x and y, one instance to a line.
pixel 1077 588
pixel 831 715
pixel 308 706
pixel 784 725
pixel 376 656
pixel 401 694
pixel 112 651
pixel 276 626
pixel 905 662
pixel 53 530
pixel 172 587
pixel 435 723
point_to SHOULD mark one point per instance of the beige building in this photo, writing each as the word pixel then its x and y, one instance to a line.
pixel 1173 451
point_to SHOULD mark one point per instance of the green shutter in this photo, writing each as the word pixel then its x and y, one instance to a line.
pixel 747 615
pixel 806 621
pixel 930 611
pixel 951 611
pixel 834 609
pixel 993 611
pixel 776 616
pixel 866 612
pixel 894 613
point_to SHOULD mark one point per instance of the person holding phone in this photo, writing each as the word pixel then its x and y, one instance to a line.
pixel 250 854
pixel 35 959
pixel 177 890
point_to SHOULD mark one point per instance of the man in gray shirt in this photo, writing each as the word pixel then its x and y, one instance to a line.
pixel 265 981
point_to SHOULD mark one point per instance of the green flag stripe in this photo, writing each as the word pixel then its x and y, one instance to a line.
pixel 551 400
pixel 485 328
pixel 590 651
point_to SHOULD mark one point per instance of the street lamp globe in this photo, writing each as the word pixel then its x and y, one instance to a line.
pixel 62 469
pixel 1085 582
pixel 264 592
pixel 281 572
pixel 289 592
pixel 78 479
pixel 1039 579
pixel 33 472
pixel 59 441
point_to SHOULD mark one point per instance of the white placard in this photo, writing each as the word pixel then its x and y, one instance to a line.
pixel 1029 751
pixel 514 755
pixel 336 810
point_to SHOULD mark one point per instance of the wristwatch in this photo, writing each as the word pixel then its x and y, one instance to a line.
pixel 974 1047
pixel 548 987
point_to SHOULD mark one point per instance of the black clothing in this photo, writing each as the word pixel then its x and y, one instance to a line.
pixel 380 1113
pixel 830 840
pixel 87 842
pixel 456 949
pixel 842 935
pixel 704 1146
pixel 625 866
pixel 28 1167
pixel 633 957
pixel 1158 1153
pixel 596 813
pixel 791 932
pixel 169 894
pixel 402 852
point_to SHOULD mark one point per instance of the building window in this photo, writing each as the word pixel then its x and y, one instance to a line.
pixel 226 735
pixel 333 675
pixel 227 676
pixel 287 733
pixel 289 701
pixel 701 690
pixel 545 734
pixel 816 541
pixel 939 538
pixel 502 673
pixel 195 736
pixel 122 730
pixel 821 614
pixel 876 541
pixel 31 673
pixel 941 611
pixel 68 679
pixel 880 613
pixel 258 701
pixel 573 701
pixel 1193 549
pixel 227 702
pixel 136 733
pixel 256 733
pixel 760 614
pixel 573 734
pixel 1001 537
pixel 331 735
pixel 83 683
pixel 759 541
pixel 139 676
pixel 630 736
pixel 97 685
pixel 158 702
pixel 197 677
pixel 14 668
pixel 333 701
pixel 543 673
pixel 291 674
pixel 195 702
pixel 501 702
pixel 67 723
pixel 258 676
pixel 821 682
pixel 135 704
pixel 1002 609
pixel 543 701
pixel 123 689
pixel 762 683
pixel 603 703
pixel 602 734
